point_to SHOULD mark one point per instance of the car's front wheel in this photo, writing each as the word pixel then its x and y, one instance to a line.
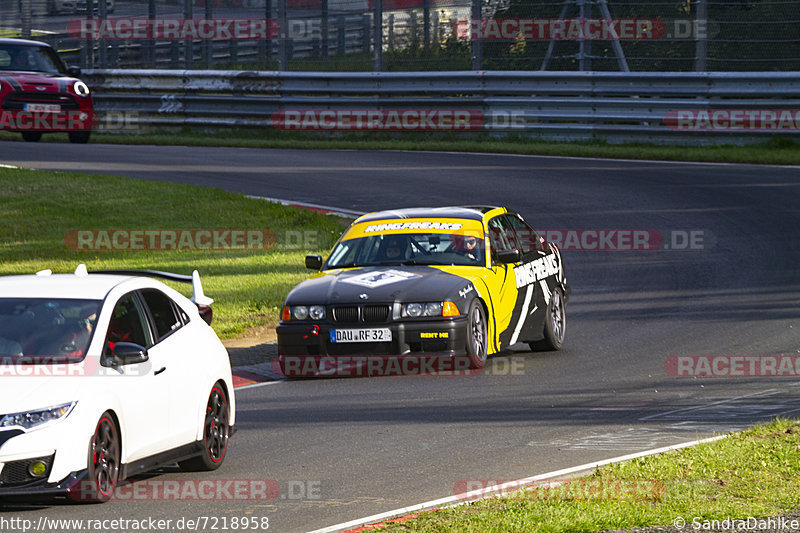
pixel 555 324
pixel 104 462
pixel 477 335
pixel 216 432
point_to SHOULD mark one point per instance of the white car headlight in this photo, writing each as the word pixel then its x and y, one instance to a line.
pixel 81 89
pixel 316 312
pixel 31 419
pixel 445 308
pixel 303 312
pixel 299 312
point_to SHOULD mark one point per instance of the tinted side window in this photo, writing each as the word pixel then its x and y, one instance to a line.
pixel 500 234
pixel 527 239
pixel 127 324
pixel 163 312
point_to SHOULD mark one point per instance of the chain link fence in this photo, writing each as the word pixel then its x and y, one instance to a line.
pixel 416 35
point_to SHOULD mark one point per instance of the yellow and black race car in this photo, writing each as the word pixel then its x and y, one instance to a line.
pixel 448 281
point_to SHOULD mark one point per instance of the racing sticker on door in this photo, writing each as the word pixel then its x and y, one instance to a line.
pixel 526 323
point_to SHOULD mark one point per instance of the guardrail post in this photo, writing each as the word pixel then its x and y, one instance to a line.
pixel 102 44
pixel 207 52
pixel 584 45
pixel 426 23
pixel 390 31
pixel 26 19
pixel 323 38
pixel 701 45
pixel 477 49
pixel 149 43
pixel 87 50
pixel 341 28
pixel 377 39
pixel 283 35
pixel 188 51
pixel 234 53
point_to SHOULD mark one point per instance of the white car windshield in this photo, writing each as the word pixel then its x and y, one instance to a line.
pixel 44 328
pixel 408 249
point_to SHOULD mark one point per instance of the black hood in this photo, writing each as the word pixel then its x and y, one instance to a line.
pixel 387 284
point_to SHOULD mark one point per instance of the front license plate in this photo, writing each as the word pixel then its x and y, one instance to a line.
pixel 361 335
pixel 43 108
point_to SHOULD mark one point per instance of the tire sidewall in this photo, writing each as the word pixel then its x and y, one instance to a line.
pixel 476 360
pixel 550 334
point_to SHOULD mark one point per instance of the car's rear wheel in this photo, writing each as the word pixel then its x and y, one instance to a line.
pixel 79 137
pixel 31 136
pixel 477 335
pixel 555 324
pixel 216 432
pixel 104 462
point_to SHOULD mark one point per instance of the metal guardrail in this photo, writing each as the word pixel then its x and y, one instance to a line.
pixel 552 105
pixel 347 35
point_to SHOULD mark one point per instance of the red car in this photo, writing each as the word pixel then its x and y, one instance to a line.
pixel 39 94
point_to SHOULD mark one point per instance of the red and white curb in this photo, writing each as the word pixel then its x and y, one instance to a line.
pixel 253 375
pixel 406 513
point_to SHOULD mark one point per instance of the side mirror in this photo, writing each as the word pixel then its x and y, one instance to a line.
pixel 128 353
pixel 313 261
pixel 74 71
pixel 507 256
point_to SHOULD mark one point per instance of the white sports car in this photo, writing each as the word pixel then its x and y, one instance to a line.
pixel 106 375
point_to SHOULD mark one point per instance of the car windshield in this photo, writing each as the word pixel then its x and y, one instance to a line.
pixel 43 328
pixel 29 58
pixel 409 249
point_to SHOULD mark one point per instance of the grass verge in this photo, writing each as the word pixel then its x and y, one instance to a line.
pixel 755 473
pixel 38 208
pixel 776 151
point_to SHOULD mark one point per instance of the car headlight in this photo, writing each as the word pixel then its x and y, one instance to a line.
pixel 437 309
pixel 31 419
pixel 81 89
pixel 303 312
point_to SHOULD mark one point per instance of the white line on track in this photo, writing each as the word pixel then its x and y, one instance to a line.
pixel 459 499
pixel 331 210
pixel 727 400
pixel 604 159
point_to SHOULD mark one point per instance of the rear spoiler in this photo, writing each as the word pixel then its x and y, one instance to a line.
pixel 198 296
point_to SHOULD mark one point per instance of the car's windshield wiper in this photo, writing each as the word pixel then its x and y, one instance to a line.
pixel 344 265
pixel 421 262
